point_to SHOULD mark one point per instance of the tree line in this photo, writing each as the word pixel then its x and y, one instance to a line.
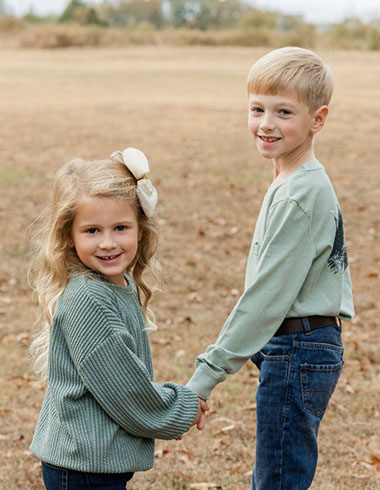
pixel 230 22
pixel 192 14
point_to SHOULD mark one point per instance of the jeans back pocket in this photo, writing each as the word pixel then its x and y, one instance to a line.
pixel 318 383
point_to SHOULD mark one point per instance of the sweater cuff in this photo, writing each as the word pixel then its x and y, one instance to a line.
pixel 203 382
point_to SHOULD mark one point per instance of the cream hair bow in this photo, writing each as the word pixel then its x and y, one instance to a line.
pixel 137 163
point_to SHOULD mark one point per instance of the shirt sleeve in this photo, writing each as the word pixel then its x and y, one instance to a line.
pixel 104 354
pixel 283 260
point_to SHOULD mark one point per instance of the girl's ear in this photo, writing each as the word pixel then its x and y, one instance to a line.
pixel 319 118
pixel 140 235
pixel 70 242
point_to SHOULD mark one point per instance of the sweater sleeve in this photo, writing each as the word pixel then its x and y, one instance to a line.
pixel 121 384
pixel 104 354
pixel 283 260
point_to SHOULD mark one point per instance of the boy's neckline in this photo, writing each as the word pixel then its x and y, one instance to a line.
pixel 275 184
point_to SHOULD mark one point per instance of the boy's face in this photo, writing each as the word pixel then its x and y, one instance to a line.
pixel 283 126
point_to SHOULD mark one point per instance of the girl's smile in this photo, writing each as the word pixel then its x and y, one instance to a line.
pixel 105 235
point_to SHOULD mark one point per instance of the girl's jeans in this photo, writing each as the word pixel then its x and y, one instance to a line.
pixel 63 479
pixel 298 374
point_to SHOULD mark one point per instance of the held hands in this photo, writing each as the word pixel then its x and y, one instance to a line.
pixel 200 419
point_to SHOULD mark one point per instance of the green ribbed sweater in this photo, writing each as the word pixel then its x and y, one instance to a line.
pixel 102 410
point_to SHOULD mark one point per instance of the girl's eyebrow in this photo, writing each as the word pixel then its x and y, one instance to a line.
pixel 97 225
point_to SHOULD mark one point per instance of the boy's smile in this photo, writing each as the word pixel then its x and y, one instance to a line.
pixel 105 236
pixel 283 128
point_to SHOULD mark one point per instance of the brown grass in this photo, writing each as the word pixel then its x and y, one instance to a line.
pixel 186 108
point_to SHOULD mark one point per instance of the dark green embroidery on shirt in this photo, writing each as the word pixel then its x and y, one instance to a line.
pixel 338 258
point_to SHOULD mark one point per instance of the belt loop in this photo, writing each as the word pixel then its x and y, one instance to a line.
pixel 339 321
pixel 306 325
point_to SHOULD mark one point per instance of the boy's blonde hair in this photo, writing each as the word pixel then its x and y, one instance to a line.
pixel 53 257
pixel 293 69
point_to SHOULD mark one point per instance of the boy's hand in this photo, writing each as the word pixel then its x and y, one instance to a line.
pixel 204 407
pixel 200 419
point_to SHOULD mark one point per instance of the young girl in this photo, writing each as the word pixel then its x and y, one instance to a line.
pixel 102 410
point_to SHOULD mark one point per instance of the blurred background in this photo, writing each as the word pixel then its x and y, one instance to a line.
pixel 42 23
pixel 169 77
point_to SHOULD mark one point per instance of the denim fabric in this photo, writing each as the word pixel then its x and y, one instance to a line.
pixel 63 479
pixel 298 374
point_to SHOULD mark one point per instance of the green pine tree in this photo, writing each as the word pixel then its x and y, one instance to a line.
pixel 68 15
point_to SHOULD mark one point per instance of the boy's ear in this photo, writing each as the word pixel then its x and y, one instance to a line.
pixel 319 118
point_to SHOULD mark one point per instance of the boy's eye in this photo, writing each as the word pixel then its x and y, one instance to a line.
pixel 284 112
pixel 256 110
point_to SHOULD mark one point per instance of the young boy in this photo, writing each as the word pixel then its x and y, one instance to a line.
pixel 297 286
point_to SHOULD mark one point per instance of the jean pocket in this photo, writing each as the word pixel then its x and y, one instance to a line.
pixel 260 357
pixel 318 382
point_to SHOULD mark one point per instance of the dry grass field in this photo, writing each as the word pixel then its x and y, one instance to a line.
pixel 186 109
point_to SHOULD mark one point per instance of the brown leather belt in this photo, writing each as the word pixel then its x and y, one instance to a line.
pixel 295 325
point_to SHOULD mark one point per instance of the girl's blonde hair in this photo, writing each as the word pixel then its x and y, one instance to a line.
pixel 54 260
pixel 293 69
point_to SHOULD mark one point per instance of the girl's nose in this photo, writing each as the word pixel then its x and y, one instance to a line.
pixel 107 242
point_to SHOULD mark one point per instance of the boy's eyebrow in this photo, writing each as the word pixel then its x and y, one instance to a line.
pixel 280 102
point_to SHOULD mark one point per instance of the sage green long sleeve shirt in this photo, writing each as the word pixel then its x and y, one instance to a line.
pixel 297 266
pixel 102 409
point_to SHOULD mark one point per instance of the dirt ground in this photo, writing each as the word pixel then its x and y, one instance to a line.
pixel 186 109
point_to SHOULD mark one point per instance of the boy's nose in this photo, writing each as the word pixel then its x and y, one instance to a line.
pixel 267 123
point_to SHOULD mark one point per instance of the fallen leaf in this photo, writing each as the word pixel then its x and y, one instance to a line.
pixel 191 261
pixel 185 319
pixel 161 453
pixel 205 486
pixel 349 389
pixel 227 428
pixel 194 297
pixel 188 458
pixel 160 341
pixel 375 460
pixel 373 275
pixel 252 406
pixel 219 446
pixel 235 469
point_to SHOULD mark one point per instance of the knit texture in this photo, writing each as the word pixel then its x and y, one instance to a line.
pixel 102 410
pixel 297 267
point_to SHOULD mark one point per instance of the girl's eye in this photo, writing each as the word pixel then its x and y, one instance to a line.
pixel 120 228
pixel 92 230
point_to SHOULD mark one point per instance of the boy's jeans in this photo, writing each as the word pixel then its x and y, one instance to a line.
pixel 298 374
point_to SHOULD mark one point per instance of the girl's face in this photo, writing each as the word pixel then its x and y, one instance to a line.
pixel 105 235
